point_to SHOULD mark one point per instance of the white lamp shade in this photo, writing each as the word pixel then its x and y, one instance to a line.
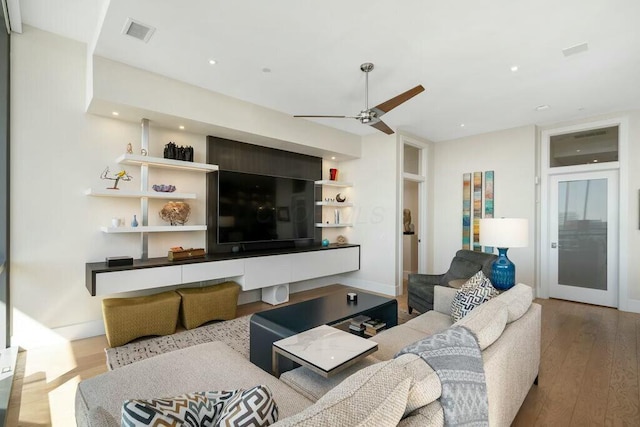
pixel 504 232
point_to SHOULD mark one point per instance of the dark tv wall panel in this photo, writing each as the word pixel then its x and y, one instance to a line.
pixel 242 157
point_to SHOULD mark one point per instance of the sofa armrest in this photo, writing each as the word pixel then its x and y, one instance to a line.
pixel 442 299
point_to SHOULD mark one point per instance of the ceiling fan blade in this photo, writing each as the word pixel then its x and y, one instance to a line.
pixel 389 105
pixel 326 117
pixel 381 126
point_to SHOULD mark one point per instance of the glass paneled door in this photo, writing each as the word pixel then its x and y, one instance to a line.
pixel 583 221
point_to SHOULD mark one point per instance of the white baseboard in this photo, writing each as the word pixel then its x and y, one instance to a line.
pixel 367 285
pixel 47 337
pixel 632 306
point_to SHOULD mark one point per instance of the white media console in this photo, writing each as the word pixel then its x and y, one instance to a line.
pixel 266 270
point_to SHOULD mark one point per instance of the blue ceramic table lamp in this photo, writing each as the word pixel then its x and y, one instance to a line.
pixel 504 233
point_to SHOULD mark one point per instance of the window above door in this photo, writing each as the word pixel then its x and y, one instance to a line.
pixel 584 147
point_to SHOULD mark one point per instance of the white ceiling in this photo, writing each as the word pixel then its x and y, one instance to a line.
pixel 461 51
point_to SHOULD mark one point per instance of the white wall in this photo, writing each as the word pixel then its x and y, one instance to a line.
pixel 375 216
pixel 511 154
pixel 633 213
pixel 58 151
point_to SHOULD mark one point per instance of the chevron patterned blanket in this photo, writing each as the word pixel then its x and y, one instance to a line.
pixel 456 358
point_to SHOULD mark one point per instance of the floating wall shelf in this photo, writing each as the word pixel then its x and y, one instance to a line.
pixel 331 183
pixel 153 229
pixel 99 192
pixel 335 204
pixel 158 162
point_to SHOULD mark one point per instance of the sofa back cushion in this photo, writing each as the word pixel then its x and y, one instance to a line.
pixel 425 387
pixel 518 299
pixel 486 322
pixel 373 396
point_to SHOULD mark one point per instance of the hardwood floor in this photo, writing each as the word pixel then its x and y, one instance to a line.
pixel 589 372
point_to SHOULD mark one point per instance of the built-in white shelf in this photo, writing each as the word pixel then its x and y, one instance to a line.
pixel 152 229
pixel 321 225
pixel 331 183
pixel 335 204
pixel 158 162
pixel 106 192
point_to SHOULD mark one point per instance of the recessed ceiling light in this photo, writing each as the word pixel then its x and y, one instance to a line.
pixel 595 161
pixel 333 157
pixel 115 113
pixel 212 62
pixel 181 127
pixel 514 68
pixel 542 107
pixel 461 125
pixel 577 151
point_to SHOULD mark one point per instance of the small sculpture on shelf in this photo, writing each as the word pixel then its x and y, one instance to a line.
pixel 120 176
pixel 175 152
pixel 164 188
pixel 129 148
pixel 176 213
pixel 340 199
pixel 406 221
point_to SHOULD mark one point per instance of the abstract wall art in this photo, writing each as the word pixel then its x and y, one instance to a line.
pixel 477 209
pixel 466 211
pixel 482 200
pixel 488 201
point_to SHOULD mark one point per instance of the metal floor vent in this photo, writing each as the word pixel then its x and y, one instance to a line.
pixel 138 30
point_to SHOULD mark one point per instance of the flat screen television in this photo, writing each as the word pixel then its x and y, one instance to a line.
pixel 260 208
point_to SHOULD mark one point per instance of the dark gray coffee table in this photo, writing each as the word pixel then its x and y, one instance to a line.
pixel 272 325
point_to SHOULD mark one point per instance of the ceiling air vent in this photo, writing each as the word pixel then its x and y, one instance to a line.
pixel 574 50
pixel 590 134
pixel 138 30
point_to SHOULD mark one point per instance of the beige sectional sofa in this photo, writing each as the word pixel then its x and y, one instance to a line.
pixel 378 391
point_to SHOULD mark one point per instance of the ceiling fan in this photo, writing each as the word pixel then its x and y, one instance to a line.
pixel 371 116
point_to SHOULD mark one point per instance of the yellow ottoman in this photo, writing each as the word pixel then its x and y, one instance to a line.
pixel 126 319
pixel 200 305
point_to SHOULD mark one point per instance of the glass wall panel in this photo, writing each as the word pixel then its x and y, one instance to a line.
pixel 584 147
pixel 582 233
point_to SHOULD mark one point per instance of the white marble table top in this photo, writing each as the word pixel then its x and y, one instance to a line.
pixel 325 347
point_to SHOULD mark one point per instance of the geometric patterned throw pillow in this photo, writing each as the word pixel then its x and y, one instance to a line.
pixel 205 408
pixel 474 292
pixel 253 407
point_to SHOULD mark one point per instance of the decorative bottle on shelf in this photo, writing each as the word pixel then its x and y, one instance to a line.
pixel 134 221
pixel 336 216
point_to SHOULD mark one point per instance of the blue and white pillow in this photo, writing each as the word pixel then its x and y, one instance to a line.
pixel 474 292
pixel 211 408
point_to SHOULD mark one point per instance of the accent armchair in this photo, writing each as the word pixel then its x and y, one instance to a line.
pixel 465 264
